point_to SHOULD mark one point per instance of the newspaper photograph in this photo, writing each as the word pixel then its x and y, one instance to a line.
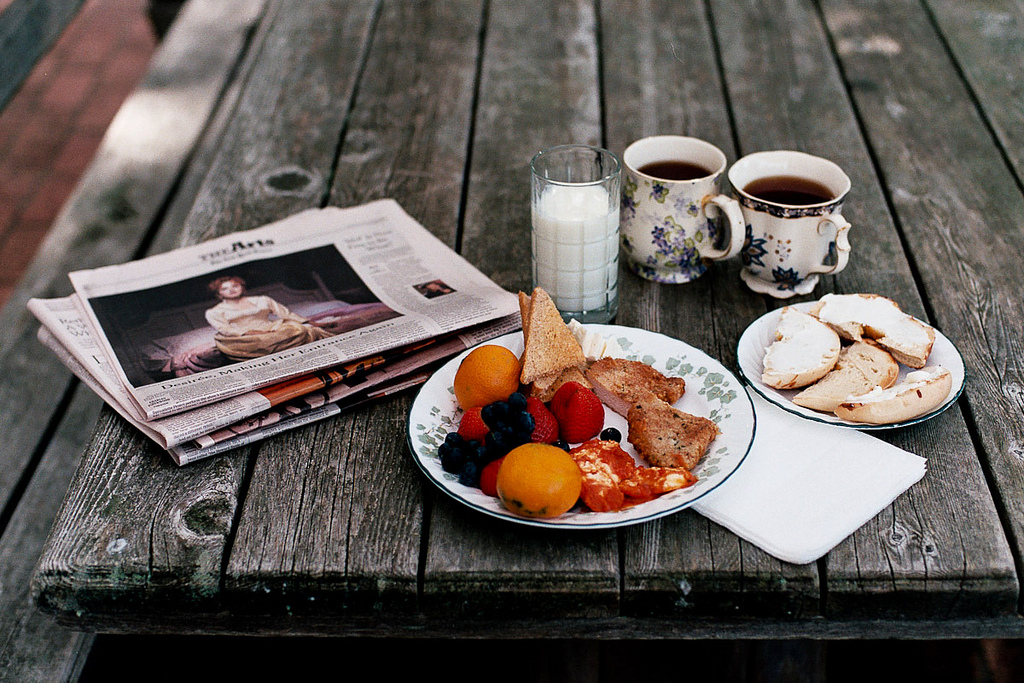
pixel 324 287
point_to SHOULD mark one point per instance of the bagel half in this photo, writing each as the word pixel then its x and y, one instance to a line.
pixel 919 393
pixel 804 351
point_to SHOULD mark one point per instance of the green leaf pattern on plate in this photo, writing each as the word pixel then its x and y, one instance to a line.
pixel 716 388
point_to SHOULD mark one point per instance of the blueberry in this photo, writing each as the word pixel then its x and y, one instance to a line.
pixel 453 438
pixel 452 459
pixel 470 474
pixel 517 402
pixel 497 440
pixel 561 443
pixel 494 414
pixel 524 422
pixel 611 434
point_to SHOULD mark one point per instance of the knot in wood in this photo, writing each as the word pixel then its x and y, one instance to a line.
pixel 898 536
pixel 290 180
pixel 207 517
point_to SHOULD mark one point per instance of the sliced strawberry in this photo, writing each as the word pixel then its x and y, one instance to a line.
pixel 472 427
pixel 545 426
pixel 579 412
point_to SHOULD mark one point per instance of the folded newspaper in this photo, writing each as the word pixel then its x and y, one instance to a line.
pixel 226 342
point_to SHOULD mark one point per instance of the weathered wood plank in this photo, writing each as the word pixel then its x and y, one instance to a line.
pixel 987 42
pixel 661 77
pixel 100 558
pixel 278 151
pixel 123 193
pixel 32 646
pixel 538 87
pixel 339 501
pixel 958 208
pixel 27 29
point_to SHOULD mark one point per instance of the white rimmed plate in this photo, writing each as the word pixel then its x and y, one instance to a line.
pixel 711 391
pixel 760 334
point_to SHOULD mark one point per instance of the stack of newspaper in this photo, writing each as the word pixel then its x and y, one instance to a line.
pixel 223 343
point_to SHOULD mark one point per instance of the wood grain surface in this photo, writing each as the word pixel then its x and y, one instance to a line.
pixel 441 105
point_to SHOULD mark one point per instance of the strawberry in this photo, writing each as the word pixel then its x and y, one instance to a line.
pixel 489 477
pixel 579 412
pixel 472 427
pixel 545 426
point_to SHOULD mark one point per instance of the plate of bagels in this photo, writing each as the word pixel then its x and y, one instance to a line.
pixel 854 360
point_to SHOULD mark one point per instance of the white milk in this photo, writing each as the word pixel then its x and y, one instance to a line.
pixel 576 246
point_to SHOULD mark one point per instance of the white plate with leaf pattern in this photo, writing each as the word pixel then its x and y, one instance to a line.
pixel 711 391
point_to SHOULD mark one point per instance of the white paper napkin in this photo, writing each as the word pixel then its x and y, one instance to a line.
pixel 805 485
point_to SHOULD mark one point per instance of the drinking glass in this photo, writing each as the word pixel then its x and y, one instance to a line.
pixel 575 237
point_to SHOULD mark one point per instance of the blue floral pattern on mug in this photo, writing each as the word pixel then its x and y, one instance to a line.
pixel 753 249
pixel 628 197
pixel 686 205
pixel 659 191
pixel 675 248
pixel 786 278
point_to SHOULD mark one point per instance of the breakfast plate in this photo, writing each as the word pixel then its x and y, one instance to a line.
pixel 711 391
pixel 760 334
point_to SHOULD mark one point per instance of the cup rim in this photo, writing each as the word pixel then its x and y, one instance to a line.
pixel 711 147
pixel 754 156
pixel 616 169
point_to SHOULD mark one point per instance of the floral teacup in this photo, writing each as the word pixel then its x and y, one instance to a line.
pixel 668 184
pixel 795 230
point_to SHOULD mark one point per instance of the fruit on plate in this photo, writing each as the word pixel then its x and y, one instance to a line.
pixel 545 426
pixel 487 374
pixel 539 480
pixel 472 426
pixel 489 477
pixel 579 412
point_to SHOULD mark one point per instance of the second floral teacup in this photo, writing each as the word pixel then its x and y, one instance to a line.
pixel 670 191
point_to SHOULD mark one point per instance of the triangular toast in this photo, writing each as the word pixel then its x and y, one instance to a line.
pixel 549 344
pixel 524 312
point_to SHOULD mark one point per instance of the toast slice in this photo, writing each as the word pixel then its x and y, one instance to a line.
pixel 861 367
pixel 805 350
pixel 549 346
pixel 665 436
pixel 621 383
pixel 871 316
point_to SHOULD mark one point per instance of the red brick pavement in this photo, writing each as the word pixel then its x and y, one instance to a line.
pixel 51 128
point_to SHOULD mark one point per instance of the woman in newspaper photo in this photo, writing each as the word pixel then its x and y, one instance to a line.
pixel 253 326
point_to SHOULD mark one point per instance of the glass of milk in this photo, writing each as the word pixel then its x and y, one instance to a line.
pixel 575 210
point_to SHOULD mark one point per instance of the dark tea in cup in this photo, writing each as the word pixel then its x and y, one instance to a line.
pixel 674 170
pixel 789 190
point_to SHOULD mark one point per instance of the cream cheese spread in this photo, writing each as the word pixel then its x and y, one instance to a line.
pixel 913 380
pixel 802 343
pixel 879 313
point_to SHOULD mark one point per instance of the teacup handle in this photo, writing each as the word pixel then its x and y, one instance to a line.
pixel 842 226
pixel 737 226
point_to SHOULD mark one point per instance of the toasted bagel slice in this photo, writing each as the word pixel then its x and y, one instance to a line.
pixel 861 367
pixel 919 393
pixel 805 350
pixel 860 316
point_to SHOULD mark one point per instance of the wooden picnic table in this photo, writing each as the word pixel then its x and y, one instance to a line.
pixel 332 529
